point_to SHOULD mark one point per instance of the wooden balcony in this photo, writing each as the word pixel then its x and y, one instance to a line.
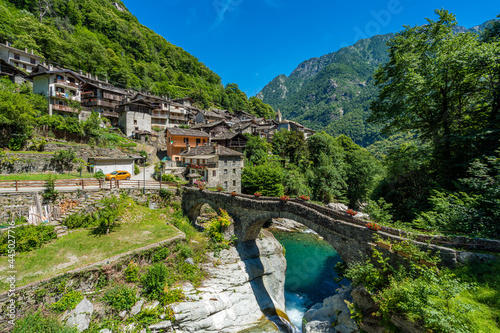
pixel 97 102
pixel 59 94
pixel 66 83
pixel 110 114
pixel 64 108
pixel 113 97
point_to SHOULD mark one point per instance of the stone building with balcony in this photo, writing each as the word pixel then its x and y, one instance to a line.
pixel 180 139
pixel 21 59
pixel 213 128
pixel 216 165
pixel 102 97
pixel 135 116
pixel 235 141
pixel 62 89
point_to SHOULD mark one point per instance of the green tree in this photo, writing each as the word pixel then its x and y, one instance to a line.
pixel 265 178
pixel 437 83
pixel 257 150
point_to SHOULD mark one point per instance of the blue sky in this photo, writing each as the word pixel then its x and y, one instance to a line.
pixel 249 42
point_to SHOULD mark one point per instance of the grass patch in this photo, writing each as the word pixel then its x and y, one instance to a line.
pixel 45 176
pixel 139 227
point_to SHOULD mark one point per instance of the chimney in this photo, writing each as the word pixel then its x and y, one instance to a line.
pixel 81 72
pixel 107 79
pixel 51 68
pixel 31 51
pixel 6 43
pixel 96 77
pixel 216 149
pixel 25 50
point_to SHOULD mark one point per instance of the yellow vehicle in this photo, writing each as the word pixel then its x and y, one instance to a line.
pixel 118 175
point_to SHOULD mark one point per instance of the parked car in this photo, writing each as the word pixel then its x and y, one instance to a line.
pixel 118 175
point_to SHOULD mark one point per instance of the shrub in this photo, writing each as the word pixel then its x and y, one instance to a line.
pixel 132 272
pixel 99 175
pixel 160 254
pixel 379 211
pixel 37 322
pixel 220 189
pixel 75 221
pixel 304 197
pixel 168 177
pixel 136 169
pixel 63 159
pixel 28 238
pixel 284 198
pixel 120 297
pixel 68 302
pixel 165 194
pixel 50 193
pixel 257 194
pixel 184 251
pixel 173 295
pixel 153 282
pixel 234 194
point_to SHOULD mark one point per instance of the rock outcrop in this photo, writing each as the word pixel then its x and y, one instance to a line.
pixel 80 316
pixel 245 287
pixel 331 316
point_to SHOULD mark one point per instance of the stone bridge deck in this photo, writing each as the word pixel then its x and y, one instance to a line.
pixel 348 235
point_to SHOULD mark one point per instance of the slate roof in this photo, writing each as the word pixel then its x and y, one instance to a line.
pixel 186 132
pixel 212 124
pixel 211 114
pixel 210 150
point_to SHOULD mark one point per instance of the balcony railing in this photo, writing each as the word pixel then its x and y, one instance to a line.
pixel 110 114
pixel 209 165
pixel 59 94
pixel 97 102
pixel 66 83
pixel 113 97
pixel 178 117
pixel 64 108
pixel 162 116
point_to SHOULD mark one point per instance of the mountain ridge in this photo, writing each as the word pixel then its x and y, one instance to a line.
pixel 333 92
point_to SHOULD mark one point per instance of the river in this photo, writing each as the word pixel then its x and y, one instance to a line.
pixel 310 275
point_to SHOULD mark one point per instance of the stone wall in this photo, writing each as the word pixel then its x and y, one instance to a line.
pixel 230 173
pixel 40 162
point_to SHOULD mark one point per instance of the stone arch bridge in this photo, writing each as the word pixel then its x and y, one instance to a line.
pixel 348 235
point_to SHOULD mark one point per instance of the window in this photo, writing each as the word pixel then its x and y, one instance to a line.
pixel 214 173
pixel 186 140
pixel 17 56
pixel 198 141
pixel 137 128
pixel 225 185
pixel 234 171
pixel 234 182
pixel 72 80
pixel 135 121
pixel 225 162
pixel 59 77
pixel 33 61
pixel 225 171
pixel 234 162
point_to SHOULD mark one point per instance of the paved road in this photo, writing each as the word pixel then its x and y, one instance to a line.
pixel 150 170
pixel 75 188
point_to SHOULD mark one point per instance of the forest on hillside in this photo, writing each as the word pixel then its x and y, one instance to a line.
pixel 103 38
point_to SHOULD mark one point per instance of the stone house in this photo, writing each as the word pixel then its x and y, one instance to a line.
pixel 180 139
pixel 21 59
pixel 102 97
pixel 205 117
pixel 214 128
pixel 217 166
pixel 134 116
pixel 236 141
pixel 14 74
pixel 62 89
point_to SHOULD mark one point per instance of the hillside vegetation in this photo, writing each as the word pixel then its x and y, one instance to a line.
pixel 105 39
pixel 333 92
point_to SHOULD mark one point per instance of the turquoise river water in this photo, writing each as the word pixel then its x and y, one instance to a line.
pixel 310 275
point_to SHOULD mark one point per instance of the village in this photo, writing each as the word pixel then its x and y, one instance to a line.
pixel 189 140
